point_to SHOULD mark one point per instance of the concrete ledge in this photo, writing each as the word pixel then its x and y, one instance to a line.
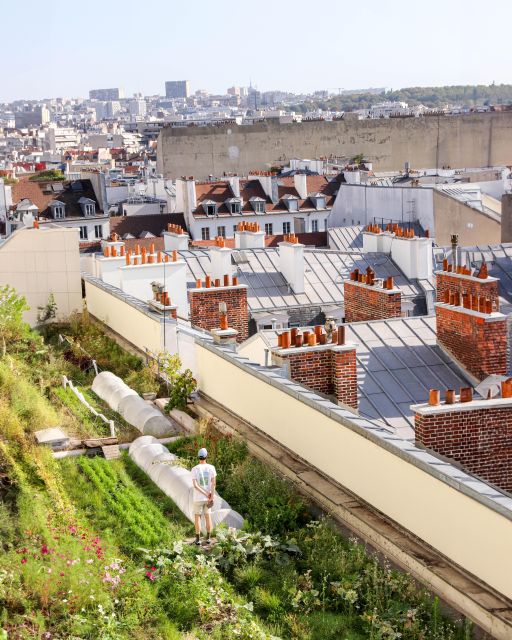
pixel 490 611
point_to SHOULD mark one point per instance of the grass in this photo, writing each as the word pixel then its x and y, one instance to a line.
pixel 333 588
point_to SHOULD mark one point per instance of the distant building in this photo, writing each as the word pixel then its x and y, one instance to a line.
pixel 106 94
pixel 177 89
pixel 31 117
pixel 138 107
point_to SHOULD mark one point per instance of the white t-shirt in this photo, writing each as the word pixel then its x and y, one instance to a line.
pixel 203 474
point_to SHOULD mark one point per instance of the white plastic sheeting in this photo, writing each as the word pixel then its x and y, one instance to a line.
pixel 176 482
pixel 134 409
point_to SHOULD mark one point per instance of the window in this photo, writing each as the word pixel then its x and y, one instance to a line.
pixel 90 209
pixel 221 231
pixel 234 228
pixel 287 227
pixel 269 229
pixel 98 231
pixel 292 204
pixel 58 213
pixel 83 233
pixel 259 206
pixel 325 224
pixel 210 209
pixel 235 207
pixel 314 226
pixel 320 203
pixel 205 233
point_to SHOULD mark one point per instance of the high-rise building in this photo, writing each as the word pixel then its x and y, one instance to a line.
pixel 177 89
pixel 138 107
pixel 106 94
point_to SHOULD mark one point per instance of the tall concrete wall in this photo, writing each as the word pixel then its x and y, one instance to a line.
pixel 472 226
pixel 475 140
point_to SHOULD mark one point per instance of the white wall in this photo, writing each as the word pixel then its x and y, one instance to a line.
pixel 38 262
pixel 142 208
pixel 360 204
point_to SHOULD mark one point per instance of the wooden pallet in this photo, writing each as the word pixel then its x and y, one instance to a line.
pixel 111 452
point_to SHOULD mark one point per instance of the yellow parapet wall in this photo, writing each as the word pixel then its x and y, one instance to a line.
pixel 459 521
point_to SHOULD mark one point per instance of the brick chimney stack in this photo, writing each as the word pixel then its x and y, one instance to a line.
pixel 326 367
pixel 469 324
pixel 205 299
pixel 368 299
pixel 475 433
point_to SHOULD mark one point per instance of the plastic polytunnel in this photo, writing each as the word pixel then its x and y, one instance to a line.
pixel 135 410
pixel 176 482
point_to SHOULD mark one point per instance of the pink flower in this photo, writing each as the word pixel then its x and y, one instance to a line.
pixel 44 550
pixel 23 561
pixel 72 530
pixel 61 573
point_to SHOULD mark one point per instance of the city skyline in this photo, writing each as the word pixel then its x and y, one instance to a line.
pixel 345 51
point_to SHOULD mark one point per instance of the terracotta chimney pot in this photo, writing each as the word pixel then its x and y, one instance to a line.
pixel 341 335
pixel 466 394
pixel 279 337
pixel 434 397
pixel 449 396
pixel 208 282
pixel 226 280
pixel 293 335
pixel 235 281
pixel 298 340
pixel 312 340
pixel 286 340
pixel 122 251
pixel 217 282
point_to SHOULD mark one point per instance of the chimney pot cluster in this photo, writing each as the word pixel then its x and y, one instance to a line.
pixel 473 302
pixel 175 228
pixel 132 259
pixel 482 273
pixel 220 242
pixel 293 338
pixel 253 227
pixel 466 395
pixel 369 278
pixel 291 238
pixel 208 282
pixel 394 228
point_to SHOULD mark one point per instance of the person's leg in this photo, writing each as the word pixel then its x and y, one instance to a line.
pixel 197 523
pixel 208 522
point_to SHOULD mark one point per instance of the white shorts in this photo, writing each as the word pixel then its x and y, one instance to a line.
pixel 200 508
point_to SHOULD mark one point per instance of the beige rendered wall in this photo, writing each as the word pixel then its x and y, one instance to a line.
pixel 38 262
pixel 474 140
pixel 143 331
pixel 452 216
pixel 476 537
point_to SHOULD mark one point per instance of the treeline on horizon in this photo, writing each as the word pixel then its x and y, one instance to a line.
pixel 463 95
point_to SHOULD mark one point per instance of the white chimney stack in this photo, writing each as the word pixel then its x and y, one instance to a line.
pixel 234 181
pixel 291 263
pixel 300 181
pixel 175 241
pixel 249 239
pixel 413 256
pixel 220 262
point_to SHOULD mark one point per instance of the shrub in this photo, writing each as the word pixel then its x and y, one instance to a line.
pixel 49 174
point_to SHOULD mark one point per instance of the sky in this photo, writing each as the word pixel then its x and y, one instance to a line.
pixel 62 48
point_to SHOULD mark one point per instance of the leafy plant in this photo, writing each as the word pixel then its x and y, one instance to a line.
pixel 182 383
pixel 12 307
pixel 49 311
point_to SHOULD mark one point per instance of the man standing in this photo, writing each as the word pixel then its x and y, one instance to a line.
pixel 203 479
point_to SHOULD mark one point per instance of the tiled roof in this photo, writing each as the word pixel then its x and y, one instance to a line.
pixel 220 191
pixel 155 223
pixel 43 193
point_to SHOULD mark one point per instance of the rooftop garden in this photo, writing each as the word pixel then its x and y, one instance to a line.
pixel 48 175
pixel 93 549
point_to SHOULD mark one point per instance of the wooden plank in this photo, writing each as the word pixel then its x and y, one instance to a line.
pixel 111 452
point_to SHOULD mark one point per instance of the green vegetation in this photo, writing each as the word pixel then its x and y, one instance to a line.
pixel 465 95
pixel 182 383
pixel 91 549
pixel 49 174
pixel 301 575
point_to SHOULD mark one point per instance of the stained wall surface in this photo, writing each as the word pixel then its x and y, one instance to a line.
pixel 473 140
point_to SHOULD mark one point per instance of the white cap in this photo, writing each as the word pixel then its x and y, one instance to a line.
pixel 202 453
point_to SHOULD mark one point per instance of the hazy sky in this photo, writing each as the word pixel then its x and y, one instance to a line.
pixel 62 48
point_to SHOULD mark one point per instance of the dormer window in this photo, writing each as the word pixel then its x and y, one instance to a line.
pixel 210 208
pixel 234 205
pixel 318 200
pixel 258 204
pixel 88 206
pixel 58 208
pixel 291 202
